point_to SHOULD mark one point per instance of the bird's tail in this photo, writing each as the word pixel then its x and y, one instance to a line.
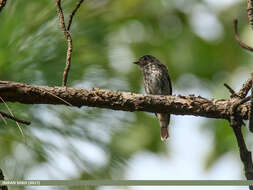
pixel 164 120
pixel 165 133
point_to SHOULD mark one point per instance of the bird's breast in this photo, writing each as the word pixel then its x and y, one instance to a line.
pixel 152 81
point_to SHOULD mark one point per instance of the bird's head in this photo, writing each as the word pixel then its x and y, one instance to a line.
pixel 146 59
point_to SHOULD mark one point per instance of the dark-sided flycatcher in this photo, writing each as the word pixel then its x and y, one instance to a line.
pixel 157 82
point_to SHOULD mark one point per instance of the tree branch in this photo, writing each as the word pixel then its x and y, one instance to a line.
pixel 251 107
pixel 117 100
pixel 67 36
pixel 250 12
pixel 69 40
pixel 14 118
pixel 236 124
pixel 73 13
pixel 245 155
pixel 2 178
pixel 242 44
pixel 2 4
pixel 231 90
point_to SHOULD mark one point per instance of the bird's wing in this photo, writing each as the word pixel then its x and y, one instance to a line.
pixel 170 84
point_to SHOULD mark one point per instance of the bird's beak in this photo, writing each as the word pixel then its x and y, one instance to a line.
pixel 136 62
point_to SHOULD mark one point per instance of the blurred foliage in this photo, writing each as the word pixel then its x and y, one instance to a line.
pixel 108 35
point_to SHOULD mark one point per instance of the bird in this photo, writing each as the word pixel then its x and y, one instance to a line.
pixel 156 81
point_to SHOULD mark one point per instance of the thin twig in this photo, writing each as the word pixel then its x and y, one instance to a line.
pixel 68 61
pixel 242 44
pixel 233 94
pixel 14 118
pixel 67 36
pixel 61 18
pixel 58 98
pixel 4 120
pixel 20 128
pixel 2 4
pixel 73 14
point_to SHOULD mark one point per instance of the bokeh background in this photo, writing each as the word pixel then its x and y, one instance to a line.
pixel 194 38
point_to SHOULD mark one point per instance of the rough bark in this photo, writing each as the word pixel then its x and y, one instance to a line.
pixel 117 100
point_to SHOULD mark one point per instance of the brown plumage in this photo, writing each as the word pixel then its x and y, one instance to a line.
pixel 156 81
